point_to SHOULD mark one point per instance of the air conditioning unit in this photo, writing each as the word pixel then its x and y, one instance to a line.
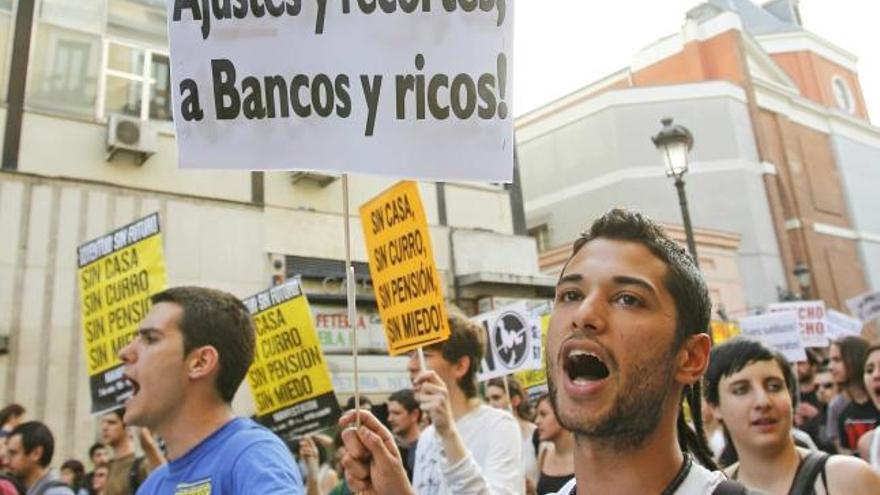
pixel 133 135
pixel 320 178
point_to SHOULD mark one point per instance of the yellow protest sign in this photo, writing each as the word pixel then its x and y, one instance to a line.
pixel 289 378
pixel 117 275
pixel 534 378
pixel 723 331
pixel 408 287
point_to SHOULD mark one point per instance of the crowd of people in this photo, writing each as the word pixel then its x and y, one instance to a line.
pixel 638 400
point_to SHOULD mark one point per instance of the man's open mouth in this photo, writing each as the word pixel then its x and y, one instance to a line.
pixel 135 386
pixel 584 366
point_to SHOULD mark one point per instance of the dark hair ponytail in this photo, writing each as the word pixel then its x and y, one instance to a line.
pixel 693 440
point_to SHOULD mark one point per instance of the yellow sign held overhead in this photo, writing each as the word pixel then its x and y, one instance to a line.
pixel 117 274
pixel 408 287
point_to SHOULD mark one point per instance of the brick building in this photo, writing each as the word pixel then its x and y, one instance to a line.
pixel 784 169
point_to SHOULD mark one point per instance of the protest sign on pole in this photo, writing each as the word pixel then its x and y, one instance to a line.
pixel 513 341
pixel 779 331
pixel 840 325
pixel 289 378
pixel 117 274
pixel 811 320
pixel 408 287
pixel 283 86
pixel 865 307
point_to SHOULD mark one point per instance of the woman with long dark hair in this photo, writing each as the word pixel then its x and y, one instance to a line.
pixel 859 415
pixel 556 461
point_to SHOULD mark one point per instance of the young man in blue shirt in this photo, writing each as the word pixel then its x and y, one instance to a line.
pixel 192 352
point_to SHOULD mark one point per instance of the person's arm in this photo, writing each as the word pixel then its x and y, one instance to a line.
pixel 309 453
pixel 433 398
pixel 851 476
pixel 266 467
pixel 502 473
pixel 151 450
pixel 864 449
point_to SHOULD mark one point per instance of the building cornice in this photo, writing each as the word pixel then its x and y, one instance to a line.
pixel 533 126
pixel 800 41
pixel 691 31
pixel 815 116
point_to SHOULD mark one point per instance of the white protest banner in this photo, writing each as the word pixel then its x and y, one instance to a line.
pixel 865 307
pixel 779 331
pixel 405 88
pixel 840 325
pixel 811 318
pixel 513 341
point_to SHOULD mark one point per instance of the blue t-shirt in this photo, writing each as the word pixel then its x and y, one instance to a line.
pixel 240 458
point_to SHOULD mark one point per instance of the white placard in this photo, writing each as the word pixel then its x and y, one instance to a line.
pixel 840 325
pixel 811 318
pixel 865 307
pixel 513 341
pixel 413 88
pixel 779 331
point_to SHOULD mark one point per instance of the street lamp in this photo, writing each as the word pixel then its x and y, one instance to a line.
pixel 802 273
pixel 674 142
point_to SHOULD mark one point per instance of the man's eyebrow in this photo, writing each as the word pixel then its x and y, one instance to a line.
pixel 570 278
pixel 627 280
pixel 148 330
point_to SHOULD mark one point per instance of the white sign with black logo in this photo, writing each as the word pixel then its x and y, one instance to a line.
pixel 512 343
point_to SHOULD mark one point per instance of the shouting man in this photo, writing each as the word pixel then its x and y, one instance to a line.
pixel 627 340
pixel 192 352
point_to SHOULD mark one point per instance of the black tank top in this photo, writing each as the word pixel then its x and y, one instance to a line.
pixel 552 484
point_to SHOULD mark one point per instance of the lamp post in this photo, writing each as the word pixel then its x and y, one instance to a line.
pixel 674 142
pixel 802 273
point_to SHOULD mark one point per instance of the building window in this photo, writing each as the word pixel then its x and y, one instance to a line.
pixel 541 234
pixel 64 70
pixel 137 82
pixel 843 95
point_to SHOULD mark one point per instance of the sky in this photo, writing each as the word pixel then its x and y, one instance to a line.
pixel 561 46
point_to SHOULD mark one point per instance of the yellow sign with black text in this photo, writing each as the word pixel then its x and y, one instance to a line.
pixel 408 287
pixel 289 378
pixel 117 274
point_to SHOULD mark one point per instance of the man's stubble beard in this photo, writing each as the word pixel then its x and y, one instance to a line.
pixel 636 410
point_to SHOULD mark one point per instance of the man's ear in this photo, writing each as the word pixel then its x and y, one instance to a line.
pixel 202 361
pixel 515 401
pixel 693 359
pixel 35 454
pixel 461 367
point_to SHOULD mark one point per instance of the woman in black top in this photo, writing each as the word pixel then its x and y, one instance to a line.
pixel 847 356
pixel 556 459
